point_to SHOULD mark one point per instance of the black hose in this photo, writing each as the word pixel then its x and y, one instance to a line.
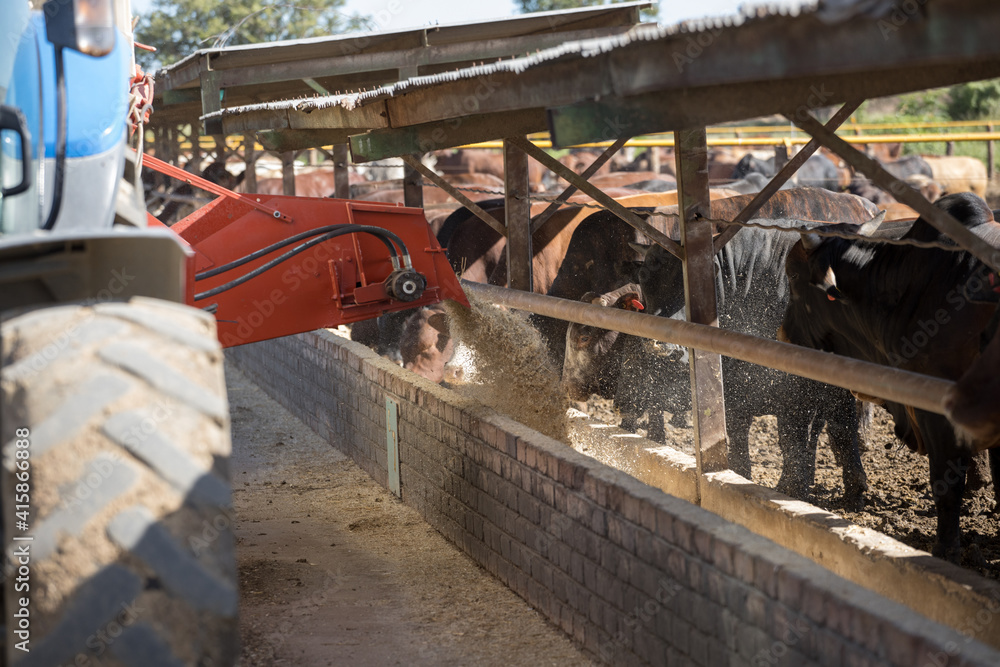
pixel 57 186
pixel 339 231
pixel 383 235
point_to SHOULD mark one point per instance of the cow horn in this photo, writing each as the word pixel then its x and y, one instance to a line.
pixel 868 228
pixel 811 241
pixel 641 248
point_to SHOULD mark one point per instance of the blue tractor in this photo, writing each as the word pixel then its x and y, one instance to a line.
pixel 116 504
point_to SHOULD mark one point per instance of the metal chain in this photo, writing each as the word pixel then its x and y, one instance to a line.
pixel 802 231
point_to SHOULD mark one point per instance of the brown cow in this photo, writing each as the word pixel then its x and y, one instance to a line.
pixel 622 179
pixel 432 195
pixel 958 173
pixel 477 252
pixel 578 159
pixel 426 344
pixel 484 161
pixel 308 183
pixel 897 211
pixel 972 405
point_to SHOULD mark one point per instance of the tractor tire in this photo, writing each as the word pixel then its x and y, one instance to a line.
pixel 116 504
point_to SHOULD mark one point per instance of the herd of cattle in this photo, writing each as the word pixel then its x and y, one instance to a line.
pixel 928 310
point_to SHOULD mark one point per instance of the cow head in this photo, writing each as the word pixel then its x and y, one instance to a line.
pixel 815 292
pixel 425 343
pixel 591 353
pixel 218 174
pixel 660 275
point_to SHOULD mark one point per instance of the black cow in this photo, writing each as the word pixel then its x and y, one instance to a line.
pixel 753 182
pixel 862 187
pixel 750 164
pixel 911 165
pixel 752 294
pixel 906 307
pixel 817 172
pixel 216 173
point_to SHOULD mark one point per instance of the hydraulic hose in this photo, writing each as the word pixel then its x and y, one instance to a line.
pixel 57 186
pixel 327 233
pixel 384 235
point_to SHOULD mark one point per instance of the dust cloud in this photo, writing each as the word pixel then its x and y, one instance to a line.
pixel 513 373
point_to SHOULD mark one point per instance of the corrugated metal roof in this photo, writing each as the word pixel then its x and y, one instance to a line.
pixel 828 11
pixel 564 15
pixel 580 48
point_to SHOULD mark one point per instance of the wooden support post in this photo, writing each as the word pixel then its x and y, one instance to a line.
pixel 162 152
pixel 989 155
pixel 780 156
pixel 194 135
pixel 220 147
pixel 250 158
pixel 341 172
pixel 211 96
pixel 949 148
pixel 288 173
pixel 169 150
pixel 518 211
pixel 708 408
pixel 413 188
pixel 654 159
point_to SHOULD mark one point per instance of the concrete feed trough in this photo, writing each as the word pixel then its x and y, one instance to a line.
pixel 633 573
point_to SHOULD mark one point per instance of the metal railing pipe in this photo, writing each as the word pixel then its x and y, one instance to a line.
pixel 920 391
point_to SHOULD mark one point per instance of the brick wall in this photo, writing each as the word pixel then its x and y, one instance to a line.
pixel 633 574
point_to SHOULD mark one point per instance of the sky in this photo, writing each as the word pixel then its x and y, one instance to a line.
pixel 402 14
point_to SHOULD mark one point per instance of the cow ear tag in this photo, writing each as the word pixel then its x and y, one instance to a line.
pixel 829 285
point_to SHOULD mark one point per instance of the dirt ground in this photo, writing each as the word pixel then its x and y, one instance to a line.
pixel 334 570
pixel 899 502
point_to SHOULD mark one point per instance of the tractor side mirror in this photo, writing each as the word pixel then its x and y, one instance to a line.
pixel 87 26
pixel 11 118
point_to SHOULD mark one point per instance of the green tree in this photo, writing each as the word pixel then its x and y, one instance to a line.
pixel 975 100
pixel 178 28
pixel 529 6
